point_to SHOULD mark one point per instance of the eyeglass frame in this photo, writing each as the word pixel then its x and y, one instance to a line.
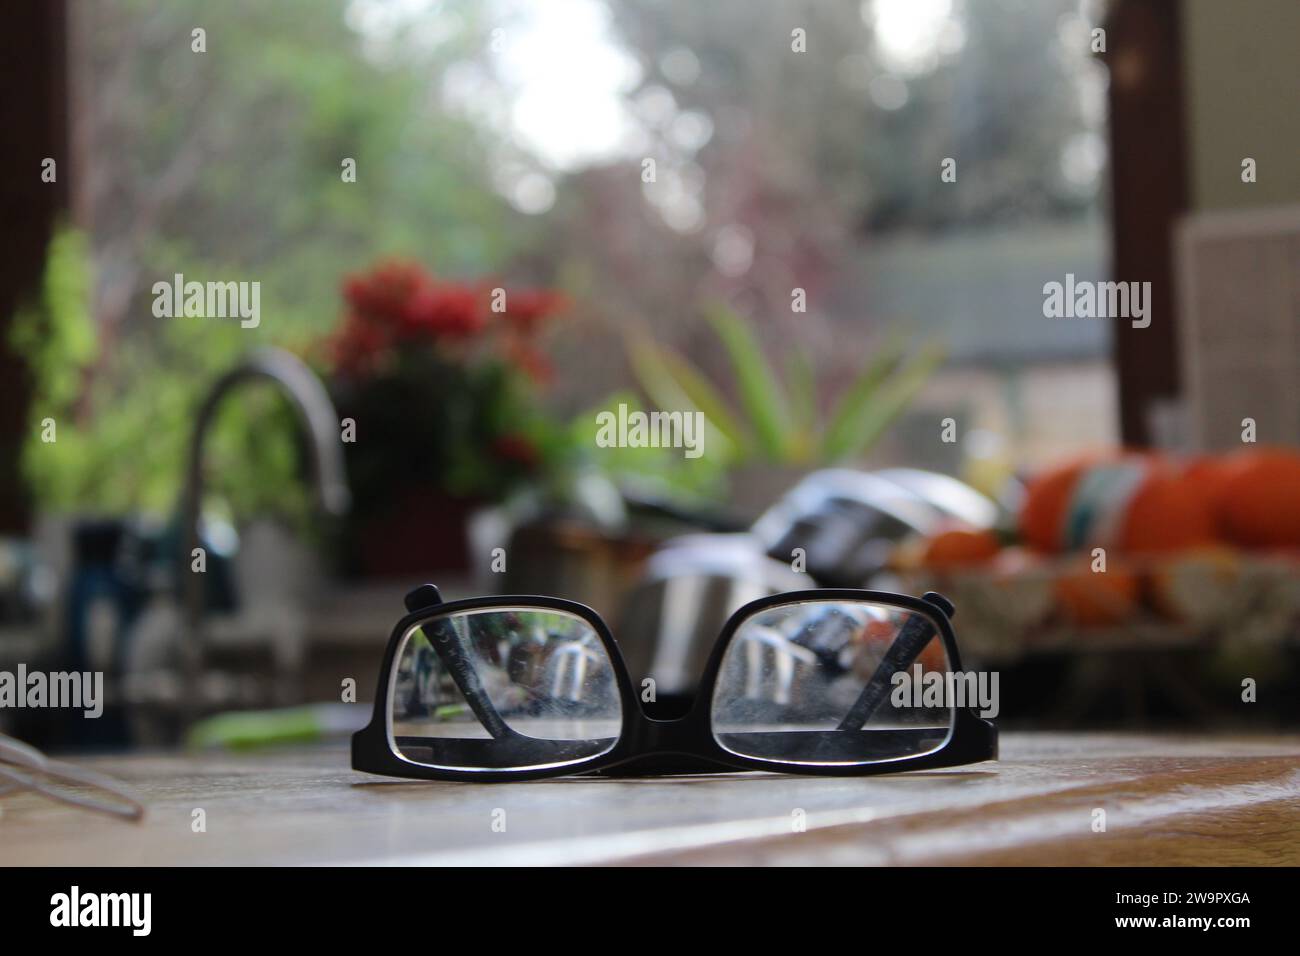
pixel 649 746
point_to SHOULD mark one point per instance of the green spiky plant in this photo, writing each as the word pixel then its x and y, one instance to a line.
pixel 777 420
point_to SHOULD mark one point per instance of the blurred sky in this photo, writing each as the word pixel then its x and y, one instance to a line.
pixel 567 77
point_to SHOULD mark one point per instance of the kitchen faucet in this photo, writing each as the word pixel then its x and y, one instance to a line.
pixel 320 423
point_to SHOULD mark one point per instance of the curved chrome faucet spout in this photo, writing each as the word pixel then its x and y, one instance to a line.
pixel 329 480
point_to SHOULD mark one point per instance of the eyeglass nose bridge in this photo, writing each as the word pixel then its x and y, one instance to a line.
pixel 666 747
pixel 658 735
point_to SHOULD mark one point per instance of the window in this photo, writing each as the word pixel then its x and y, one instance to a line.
pixel 920 166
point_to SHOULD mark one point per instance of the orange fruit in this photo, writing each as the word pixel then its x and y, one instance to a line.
pixel 1129 502
pixel 1168 512
pixel 960 547
pixel 1047 498
pixel 1209 474
pixel 1258 503
pixel 1097 598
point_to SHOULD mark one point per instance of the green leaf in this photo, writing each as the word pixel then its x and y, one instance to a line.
pixel 857 399
pixel 760 391
pixel 656 373
pixel 664 470
pixel 701 393
pixel 889 400
pixel 802 383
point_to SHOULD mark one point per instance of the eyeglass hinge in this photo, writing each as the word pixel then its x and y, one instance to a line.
pixel 425 596
pixel 941 602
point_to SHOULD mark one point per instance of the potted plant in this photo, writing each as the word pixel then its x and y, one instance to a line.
pixel 436 382
pixel 775 432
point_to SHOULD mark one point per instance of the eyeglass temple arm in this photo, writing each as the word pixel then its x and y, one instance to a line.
pixel 32 766
pixel 907 647
pixel 453 657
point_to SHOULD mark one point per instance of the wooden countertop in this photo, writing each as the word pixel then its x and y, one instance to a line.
pixel 1168 800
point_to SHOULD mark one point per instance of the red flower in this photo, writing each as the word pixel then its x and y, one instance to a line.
pixel 443 310
pixel 399 302
pixel 526 309
pixel 383 294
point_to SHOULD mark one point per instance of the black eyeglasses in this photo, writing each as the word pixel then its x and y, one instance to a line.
pixel 813 682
